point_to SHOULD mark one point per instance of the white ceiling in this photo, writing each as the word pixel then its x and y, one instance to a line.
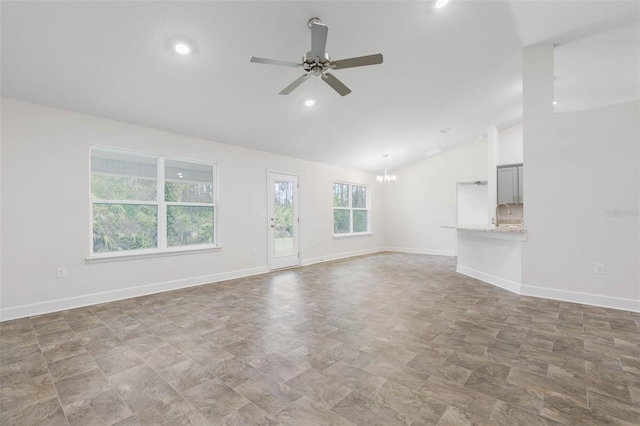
pixel 457 67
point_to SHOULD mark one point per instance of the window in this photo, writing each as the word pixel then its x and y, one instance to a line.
pixel 147 202
pixel 350 209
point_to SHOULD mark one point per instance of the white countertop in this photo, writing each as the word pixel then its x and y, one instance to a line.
pixel 478 228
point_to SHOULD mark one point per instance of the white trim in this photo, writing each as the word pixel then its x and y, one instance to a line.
pixel 483 181
pixel 420 251
pixel 114 295
pixel 160 202
pixel 273 261
pixel 583 298
pixel 125 293
pixel 116 256
pixel 509 285
pixel 356 234
pixel 161 224
pixel 337 256
pixel 351 209
pixel 552 293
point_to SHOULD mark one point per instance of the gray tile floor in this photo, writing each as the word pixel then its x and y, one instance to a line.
pixel 387 339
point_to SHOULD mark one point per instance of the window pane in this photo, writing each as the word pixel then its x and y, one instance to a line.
pixel 187 225
pixel 188 182
pixel 116 188
pixel 122 176
pixel 118 227
pixel 359 200
pixel 341 221
pixel 360 221
pixel 340 195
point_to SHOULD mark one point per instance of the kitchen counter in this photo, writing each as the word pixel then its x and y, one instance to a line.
pixel 500 229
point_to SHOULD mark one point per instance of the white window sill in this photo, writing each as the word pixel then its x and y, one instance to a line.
pixel 359 234
pixel 143 254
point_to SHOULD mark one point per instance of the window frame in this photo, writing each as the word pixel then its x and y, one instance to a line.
pixel 351 209
pixel 162 247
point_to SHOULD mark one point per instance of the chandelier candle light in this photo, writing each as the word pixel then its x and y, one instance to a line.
pixel 386 178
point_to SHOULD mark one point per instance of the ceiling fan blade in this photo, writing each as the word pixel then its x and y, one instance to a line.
pixel 360 61
pixel 318 40
pixel 273 62
pixel 295 84
pixel 336 84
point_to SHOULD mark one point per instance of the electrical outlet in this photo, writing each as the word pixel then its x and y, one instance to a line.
pixel 253 251
pixel 61 272
pixel 313 244
pixel 598 268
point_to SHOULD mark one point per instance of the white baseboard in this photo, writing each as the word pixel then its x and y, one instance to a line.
pixel 144 290
pixel 337 256
pixel 583 298
pixel 421 251
pixel 126 293
pixel 512 286
pixel 111 296
pixel 552 293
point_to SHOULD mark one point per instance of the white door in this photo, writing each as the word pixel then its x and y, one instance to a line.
pixel 283 220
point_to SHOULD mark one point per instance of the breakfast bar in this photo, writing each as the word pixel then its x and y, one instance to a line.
pixel 491 254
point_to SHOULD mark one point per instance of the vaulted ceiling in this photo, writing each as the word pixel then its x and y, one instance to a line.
pixel 458 67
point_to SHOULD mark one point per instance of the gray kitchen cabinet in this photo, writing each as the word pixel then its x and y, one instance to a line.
pixel 510 184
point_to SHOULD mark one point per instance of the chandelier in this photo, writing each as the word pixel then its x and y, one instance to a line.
pixel 386 178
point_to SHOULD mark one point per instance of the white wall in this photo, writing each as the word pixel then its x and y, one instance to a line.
pixel 424 199
pixel 471 204
pixel 579 167
pixel 511 145
pixel 45 211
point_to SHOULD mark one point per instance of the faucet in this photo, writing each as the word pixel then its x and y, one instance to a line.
pixel 498 209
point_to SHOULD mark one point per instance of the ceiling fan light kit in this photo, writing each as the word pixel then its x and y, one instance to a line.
pixel 317 61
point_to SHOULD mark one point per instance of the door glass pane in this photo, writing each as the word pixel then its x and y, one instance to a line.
pixel 187 225
pixel 340 195
pixel 359 221
pixel 118 227
pixel 341 221
pixel 283 218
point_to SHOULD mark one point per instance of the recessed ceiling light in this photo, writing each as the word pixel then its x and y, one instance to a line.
pixel 309 102
pixel 433 151
pixel 182 48
pixel 440 4
pixel 555 102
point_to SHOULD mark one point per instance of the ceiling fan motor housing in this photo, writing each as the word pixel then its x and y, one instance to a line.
pixel 316 65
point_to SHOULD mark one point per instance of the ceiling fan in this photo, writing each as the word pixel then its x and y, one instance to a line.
pixel 317 62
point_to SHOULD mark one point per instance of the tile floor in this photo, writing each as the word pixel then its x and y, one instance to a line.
pixel 387 339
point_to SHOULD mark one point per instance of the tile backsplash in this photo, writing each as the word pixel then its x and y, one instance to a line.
pixel 514 218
